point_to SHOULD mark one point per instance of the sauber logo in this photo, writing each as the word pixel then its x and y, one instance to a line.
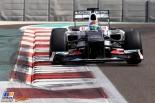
pixel 7 97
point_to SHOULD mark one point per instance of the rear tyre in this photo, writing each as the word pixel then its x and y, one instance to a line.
pixel 58 41
pixel 133 42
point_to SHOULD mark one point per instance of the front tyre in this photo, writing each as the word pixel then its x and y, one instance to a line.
pixel 58 42
pixel 133 42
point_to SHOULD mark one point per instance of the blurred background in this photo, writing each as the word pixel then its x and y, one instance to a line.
pixel 62 10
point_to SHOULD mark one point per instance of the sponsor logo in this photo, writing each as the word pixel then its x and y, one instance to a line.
pixel 7 97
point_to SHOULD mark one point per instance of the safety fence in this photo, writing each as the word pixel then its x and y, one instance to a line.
pixel 62 10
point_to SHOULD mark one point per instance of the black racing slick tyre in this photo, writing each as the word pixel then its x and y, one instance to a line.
pixel 133 42
pixel 58 40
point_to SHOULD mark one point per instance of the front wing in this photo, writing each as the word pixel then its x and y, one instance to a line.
pixel 116 57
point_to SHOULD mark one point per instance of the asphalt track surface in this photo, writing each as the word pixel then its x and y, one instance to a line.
pixel 135 83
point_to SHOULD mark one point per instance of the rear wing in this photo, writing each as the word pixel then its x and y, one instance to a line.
pixel 82 15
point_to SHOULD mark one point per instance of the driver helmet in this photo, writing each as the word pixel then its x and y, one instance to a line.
pixel 93 24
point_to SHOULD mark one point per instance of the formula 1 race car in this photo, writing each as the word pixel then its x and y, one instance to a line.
pixel 94 43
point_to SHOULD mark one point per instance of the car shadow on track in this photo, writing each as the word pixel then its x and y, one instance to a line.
pixel 119 64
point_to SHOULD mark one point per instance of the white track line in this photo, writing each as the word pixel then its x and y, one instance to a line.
pixel 42 42
pixel 50 69
pixel 64 84
pixel 27 43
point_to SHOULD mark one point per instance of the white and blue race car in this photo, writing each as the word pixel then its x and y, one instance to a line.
pixel 93 43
